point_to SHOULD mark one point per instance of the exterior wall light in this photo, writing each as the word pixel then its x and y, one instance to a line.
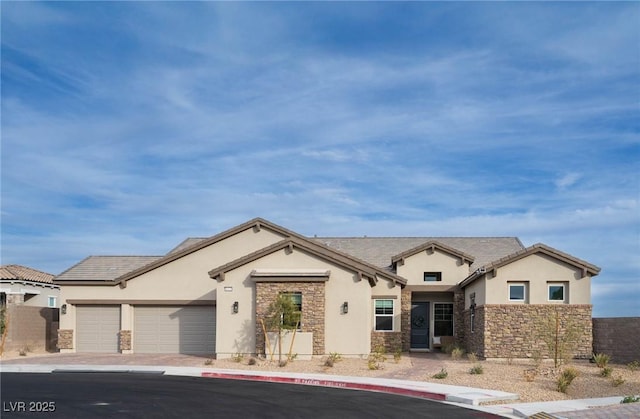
pixel 345 307
pixel 235 307
pixel 63 309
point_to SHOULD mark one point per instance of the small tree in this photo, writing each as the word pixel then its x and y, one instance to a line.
pixel 560 341
pixel 283 315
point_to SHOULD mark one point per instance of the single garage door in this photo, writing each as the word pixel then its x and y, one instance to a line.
pixel 97 328
pixel 175 329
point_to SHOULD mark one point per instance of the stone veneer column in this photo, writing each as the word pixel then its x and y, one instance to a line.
pixel 474 341
pixel 459 328
pixel 313 305
pixel 65 339
pixel 125 340
pixel 516 330
pixel 405 320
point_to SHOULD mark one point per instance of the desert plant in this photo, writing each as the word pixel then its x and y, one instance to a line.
pixel 601 360
pixel 530 374
pixel 560 340
pixel 457 352
pixel 208 361
pixel 472 357
pixel 634 365
pixel 377 358
pixel 397 355
pixel 282 316
pixel 618 381
pixel 476 369
pixel 441 375
pixel 566 378
pixel 448 348
pixel 237 357
pixel 630 399
pixel 252 361
pixel 536 356
pixel 606 372
pixel 332 359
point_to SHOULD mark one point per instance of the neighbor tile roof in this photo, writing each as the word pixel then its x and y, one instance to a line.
pixel 22 273
pixel 380 250
pixel 104 268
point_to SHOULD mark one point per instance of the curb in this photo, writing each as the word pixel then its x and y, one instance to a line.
pixel 330 383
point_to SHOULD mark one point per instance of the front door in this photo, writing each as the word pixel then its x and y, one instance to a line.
pixel 420 325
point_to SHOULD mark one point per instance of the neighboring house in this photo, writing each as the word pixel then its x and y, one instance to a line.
pixel 20 285
pixel 30 299
pixel 209 295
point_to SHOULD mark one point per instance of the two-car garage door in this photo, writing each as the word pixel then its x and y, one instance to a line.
pixel 174 329
pixel 156 329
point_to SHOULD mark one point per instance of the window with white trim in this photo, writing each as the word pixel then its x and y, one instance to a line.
pixel 443 319
pixel 51 301
pixel 556 292
pixel 383 315
pixel 517 292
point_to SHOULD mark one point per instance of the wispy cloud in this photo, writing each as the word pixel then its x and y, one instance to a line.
pixel 159 122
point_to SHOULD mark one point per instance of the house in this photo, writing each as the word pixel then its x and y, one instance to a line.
pixel 20 285
pixel 208 295
pixel 29 299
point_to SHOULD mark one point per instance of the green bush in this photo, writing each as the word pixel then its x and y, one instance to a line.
pixel 606 372
pixel 457 352
pixel 601 360
pixel 566 378
pixel 441 375
pixel 631 399
pixel 332 359
pixel 476 369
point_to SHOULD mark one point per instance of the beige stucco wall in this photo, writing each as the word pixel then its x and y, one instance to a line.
pixel 347 334
pixel 414 267
pixel 538 271
pixel 479 287
pixel 184 279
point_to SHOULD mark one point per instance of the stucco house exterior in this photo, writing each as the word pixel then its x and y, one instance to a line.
pixel 209 295
pixel 21 285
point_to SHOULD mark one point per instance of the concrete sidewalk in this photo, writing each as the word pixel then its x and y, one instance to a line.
pixel 464 396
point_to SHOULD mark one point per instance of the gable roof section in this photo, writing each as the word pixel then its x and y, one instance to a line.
pixel 380 251
pixel 432 245
pixel 364 269
pixel 586 267
pixel 23 273
pixel 193 245
pixel 102 269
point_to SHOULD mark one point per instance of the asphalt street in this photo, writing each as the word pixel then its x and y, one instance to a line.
pixel 126 395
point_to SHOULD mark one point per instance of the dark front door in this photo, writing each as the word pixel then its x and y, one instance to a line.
pixel 420 325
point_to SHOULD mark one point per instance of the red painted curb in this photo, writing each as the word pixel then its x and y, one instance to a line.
pixel 328 383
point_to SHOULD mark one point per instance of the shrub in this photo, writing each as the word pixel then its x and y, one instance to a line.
pixel 332 358
pixel 476 369
pixel 448 348
pixel 530 374
pixel 397 355
pixel 252 361
pixel 377 358
pixel 209 361
pixel 618 381
pixel 472 357
pixel 441 375
pixel 606 372
pixel 457 352
pixel 634 365
pixel 601 360
pixel 631 399
pixel 536 356
pixel 237 357
pixel 566 378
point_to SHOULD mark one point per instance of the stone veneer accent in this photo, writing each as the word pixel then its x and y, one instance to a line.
pixel 473 341
pixel 514 331
pixel 125 340
pixel 313 302
pixel 390 341
pixel 458 316
pixel 65 339
pixel 405 320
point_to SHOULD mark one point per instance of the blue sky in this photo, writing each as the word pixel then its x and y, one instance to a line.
pixel 129 126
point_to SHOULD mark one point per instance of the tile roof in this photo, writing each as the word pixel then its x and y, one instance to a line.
pixel 22 273
pixel 380 250
pixel 104 268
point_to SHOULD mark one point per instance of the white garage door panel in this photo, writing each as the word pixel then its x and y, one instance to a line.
pixel 174 329
pixel 97 328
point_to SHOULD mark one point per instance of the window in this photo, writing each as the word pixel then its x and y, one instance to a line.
pixel 443 319
pixel 517 292
pixel 556 292
pixel 432 276
pixel 52 302
pixel 293 319
pixel 384 314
